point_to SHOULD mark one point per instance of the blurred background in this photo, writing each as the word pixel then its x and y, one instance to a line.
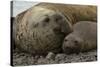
pixel 20 6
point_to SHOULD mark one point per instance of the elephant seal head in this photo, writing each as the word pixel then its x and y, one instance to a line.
pixel 42 30
pixel 82 39
pixel 72 44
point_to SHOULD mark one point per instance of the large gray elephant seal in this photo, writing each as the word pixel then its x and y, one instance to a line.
pixel 42 28
pixel 83 38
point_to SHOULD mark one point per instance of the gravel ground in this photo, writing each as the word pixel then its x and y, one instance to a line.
pixel 20 58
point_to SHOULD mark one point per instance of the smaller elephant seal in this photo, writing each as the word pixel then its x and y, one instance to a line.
pixel 82 39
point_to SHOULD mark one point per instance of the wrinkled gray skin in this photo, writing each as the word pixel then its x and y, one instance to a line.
pixel 40 30
pixel 83 38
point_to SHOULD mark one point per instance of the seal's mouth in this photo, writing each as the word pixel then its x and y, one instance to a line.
pixel 58 31
pixel 70 50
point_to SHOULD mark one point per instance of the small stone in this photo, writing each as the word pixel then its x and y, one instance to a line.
pixel 50 55
pixel 36 57
pixel 60 57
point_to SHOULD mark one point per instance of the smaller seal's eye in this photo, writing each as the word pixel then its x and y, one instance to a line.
pixel 76 41
pixel 65 40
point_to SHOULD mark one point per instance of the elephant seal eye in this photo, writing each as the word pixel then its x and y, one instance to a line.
pixel 65 40
pixel 76 42
pixel 46 19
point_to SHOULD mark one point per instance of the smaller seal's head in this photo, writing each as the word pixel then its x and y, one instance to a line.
pixel 72 44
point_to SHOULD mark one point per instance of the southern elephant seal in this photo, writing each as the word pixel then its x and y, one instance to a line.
pixel 42 28
pixel 83 38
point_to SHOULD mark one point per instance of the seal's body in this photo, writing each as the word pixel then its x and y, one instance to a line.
pixel 73 13
pixel 83 38
pixel 42 28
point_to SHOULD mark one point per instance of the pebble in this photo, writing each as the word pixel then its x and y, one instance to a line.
pixel 50 55
pixel 51 58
